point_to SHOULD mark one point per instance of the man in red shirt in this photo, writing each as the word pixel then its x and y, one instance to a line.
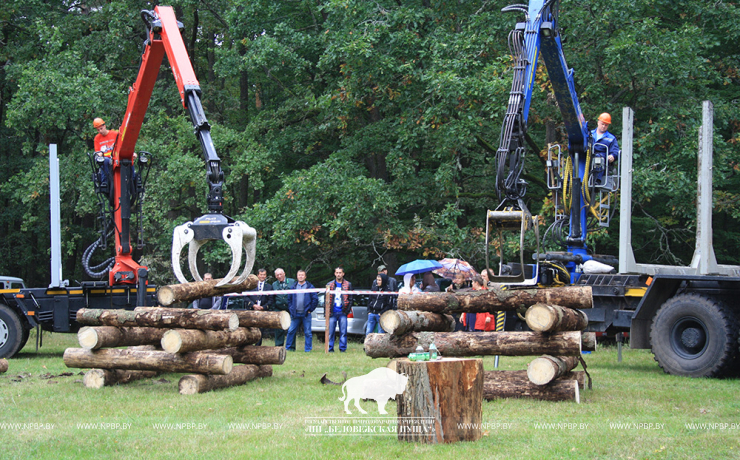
pixel 104 142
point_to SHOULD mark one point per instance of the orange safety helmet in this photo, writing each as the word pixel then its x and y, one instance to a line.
pixel 98 122
pixel 606 118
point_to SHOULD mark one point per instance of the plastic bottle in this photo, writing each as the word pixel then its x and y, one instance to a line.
pixel 433 351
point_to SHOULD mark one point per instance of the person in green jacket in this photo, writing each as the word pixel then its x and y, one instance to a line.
pixel 281 301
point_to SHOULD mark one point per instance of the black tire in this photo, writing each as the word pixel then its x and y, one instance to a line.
pixel 695 336
pixel 11 332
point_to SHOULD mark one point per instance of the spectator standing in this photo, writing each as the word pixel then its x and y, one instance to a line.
pixel 409 284
pixel 281 301
pixel 300 307
pixel 484 322
pixel 392 285
pixel 259 302
pixel 378 304
pixel 208 303
pixel 340 304
pixel 428 284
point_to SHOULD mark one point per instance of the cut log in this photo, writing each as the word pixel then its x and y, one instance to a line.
pixel 184 340
pixel 251 354
pixel 95 337
pixel 554 318
pixel 400 322
pixel 578 376
pixel 442 401
pixel 186 292
pixel 3 365
pixel 516 384
pixel 192 384
pixel 475 343
pixel 144 360
pixel 98 378
pixel 545 369
pixel 588 341
pixel 265 319
pixel 496 299
pixel 160 317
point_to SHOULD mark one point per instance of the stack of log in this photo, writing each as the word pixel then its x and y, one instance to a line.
pixel 556 334
pixel 205 343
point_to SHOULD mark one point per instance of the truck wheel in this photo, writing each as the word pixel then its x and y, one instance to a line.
pixel 694 336
pixel 11 332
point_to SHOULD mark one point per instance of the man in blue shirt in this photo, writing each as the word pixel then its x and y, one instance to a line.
pixel 605 143
pixel 300 307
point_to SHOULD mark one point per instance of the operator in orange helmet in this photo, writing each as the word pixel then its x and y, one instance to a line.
pixel 605 144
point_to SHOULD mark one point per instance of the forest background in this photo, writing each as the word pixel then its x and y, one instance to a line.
pixel 358 132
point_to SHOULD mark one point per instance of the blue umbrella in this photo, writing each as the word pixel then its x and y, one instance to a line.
pixel 418 266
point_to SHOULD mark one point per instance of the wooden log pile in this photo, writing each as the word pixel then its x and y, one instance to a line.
pixel 205 344
pixel 557 339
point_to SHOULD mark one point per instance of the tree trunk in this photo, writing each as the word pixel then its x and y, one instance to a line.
pixel 142 360
pixel 250 354
pixel 515 384
pixel 192 384
pixel 545 369
pixel 496 299
pixel 3 365
pixel 448 393
pixel 554 318
pixel 475 343
pixel 400 322
pixel 184 340
pixel 187 292
pixel 265 319
pixel 93 338
pixel 588 341
pixel 160 317
pixel 98 378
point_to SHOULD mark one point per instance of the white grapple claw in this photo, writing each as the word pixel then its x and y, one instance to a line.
pixel 238 235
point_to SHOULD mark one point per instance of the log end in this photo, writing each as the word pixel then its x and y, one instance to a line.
pixel 94 378
pixel 3 365
pixel 541 371
pixel 540 318
pixel 88 338
pixel 171 341
pixel 390 321
pixel 284 320
pixel 165 296
pixel 265 370
pixel 189 385
pixel 228 364
pixel 234 322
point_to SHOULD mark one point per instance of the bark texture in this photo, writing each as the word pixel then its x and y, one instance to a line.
pixel 251 354
pixel 99 378
pixel 447 393
pixel 475 343
pixel 496 299
pixel 398 322
pixel 264 319
pixel 95 337
pixel 554 318
pixel 545 369
pixel 187 292
pixel 516 384
pixel 160 317
pixel 148 360
pixel 589 341
pixel 192 384
pixel 184 340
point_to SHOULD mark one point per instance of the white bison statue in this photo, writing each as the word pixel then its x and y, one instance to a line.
pixel 381 385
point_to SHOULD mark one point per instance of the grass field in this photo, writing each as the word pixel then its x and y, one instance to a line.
pixel 634 411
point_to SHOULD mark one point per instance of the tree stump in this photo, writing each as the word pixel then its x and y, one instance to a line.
pixel 442 401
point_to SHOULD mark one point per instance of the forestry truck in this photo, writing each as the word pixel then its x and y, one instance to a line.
pixel 120 191
pixel 688 316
